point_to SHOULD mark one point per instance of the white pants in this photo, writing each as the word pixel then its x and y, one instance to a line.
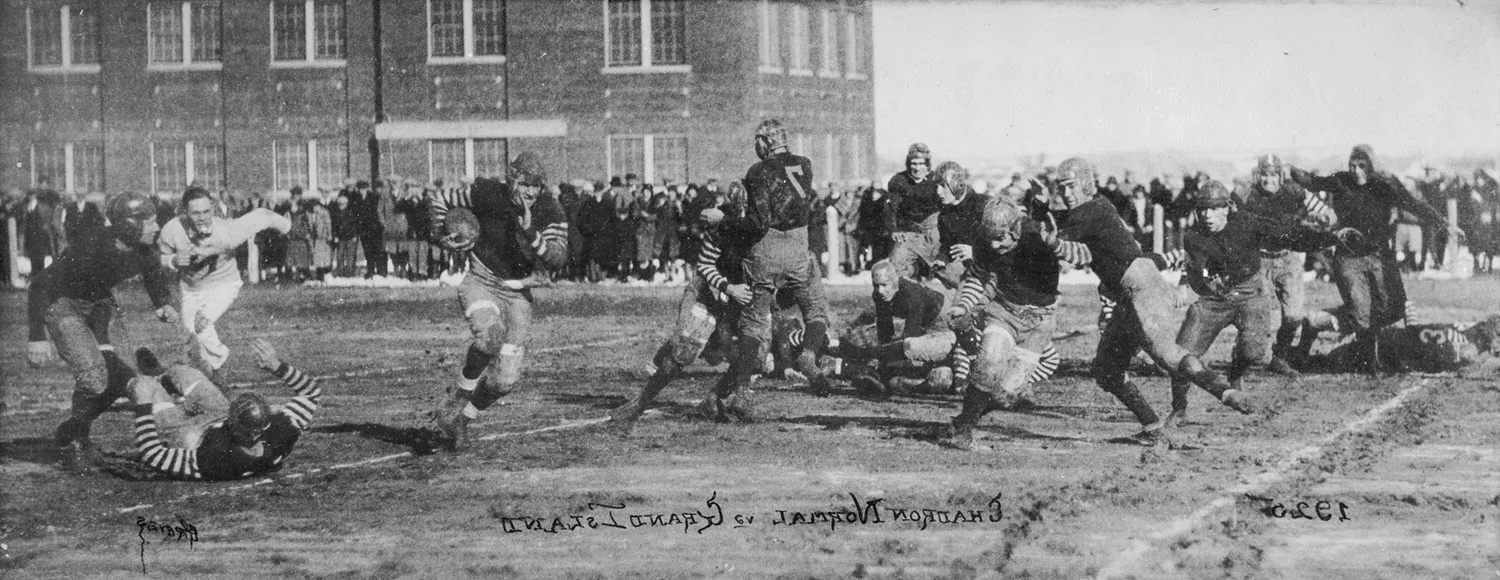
pixel 201 308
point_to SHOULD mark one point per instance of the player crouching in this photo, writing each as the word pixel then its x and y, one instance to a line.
pixel 206 439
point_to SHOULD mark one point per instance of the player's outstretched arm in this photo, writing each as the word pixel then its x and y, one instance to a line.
pixel 149 448
pixel 302 406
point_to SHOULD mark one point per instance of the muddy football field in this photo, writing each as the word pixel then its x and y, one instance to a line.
pixel 1345 476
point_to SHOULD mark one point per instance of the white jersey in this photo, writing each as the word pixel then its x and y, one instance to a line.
pixel 213 254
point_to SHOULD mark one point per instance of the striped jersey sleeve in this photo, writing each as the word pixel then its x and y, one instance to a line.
pixel 707 265
pixel 182 463
pixel 1074 253
pixel 971 291
pixel 441 202
pixel 302 406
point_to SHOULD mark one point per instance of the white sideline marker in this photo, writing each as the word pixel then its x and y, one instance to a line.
pixel 1117 566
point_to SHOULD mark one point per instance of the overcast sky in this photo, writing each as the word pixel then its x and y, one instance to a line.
pixel 983 79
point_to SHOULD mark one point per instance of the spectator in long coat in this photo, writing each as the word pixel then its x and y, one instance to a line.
pixel 39 226
pixel 80 217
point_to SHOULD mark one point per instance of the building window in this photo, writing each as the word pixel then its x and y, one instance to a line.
pixel 489 158
pixel 448 160
pixel 62 39
pixel 71 167
pixel 300 40
pixel 830 45
pixel 801 46
pixel 183 34
pixel 655 158
pixel 207 165
pixel 854 46
pixel 332 158
pixel 466 29
pixel 169 167
pixel 646 34
pixel 49 163
pixel 289 161
pixel 770 37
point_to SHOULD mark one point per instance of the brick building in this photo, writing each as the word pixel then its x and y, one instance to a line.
pixel 254 95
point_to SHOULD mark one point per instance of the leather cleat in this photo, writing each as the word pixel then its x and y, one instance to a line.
pixel 713 409
pixel 741 406
pixel 1146 438
pixel 1238 401
pixel 1281 367
pixel 81 456
pixel 958 436
pixel 628 412
pixel 455 428
pixel 1177 418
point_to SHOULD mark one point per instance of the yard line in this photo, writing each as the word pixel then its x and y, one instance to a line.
pixel 1119 565
pixel 356 373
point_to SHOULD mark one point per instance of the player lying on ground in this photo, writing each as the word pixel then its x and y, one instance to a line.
pixel 72 303
pixel 1005 315
pixel 1225 271
pixel 516 237
pixel 710 306
pixel 1094 233
pixel 1364 266
pixel 251 437
pixel 872 351
pixel 1471 350
pixel 200 247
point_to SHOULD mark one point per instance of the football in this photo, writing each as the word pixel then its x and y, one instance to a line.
pixel 463 224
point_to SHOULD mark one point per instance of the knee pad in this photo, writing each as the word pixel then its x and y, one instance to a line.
pixel 1018 372
pixel 508 367
pixel 486 326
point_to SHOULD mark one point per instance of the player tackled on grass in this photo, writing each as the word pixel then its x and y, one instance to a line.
pixel 1364 264
pixel 515 236
pixel 72 303
pixel 249 436
pixel 1225 269
pixel 924 347
pixel 779 193
pixel 1094 233
pixel 1012 292
pixel 200 248
pixel 707 313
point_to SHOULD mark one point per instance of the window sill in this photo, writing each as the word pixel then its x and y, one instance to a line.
pixel 855 76
pixel 801 72
pixel 64 70
pixel 828 74
pixel 771 70
pixel 661 68
pixel 177 66
pixel 328 63
pixel 482 59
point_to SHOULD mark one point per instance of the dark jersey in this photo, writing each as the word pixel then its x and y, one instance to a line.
pixel 911 205
pixel 1367 208
pixel 217 457
pixel 1218 262
pixel 511 244
pixel 1284 204
pixel 921 307
pixel 1027 275
pixel 779 191
pixel 1098 226
pixel 89 270
pixel 959 223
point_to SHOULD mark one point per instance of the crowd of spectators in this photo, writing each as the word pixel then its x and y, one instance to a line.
pixel 625 231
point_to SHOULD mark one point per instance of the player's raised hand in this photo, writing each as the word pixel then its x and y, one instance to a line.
pixel 182 260
pixel 265 354
pixel 961 252
pixel 167 314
